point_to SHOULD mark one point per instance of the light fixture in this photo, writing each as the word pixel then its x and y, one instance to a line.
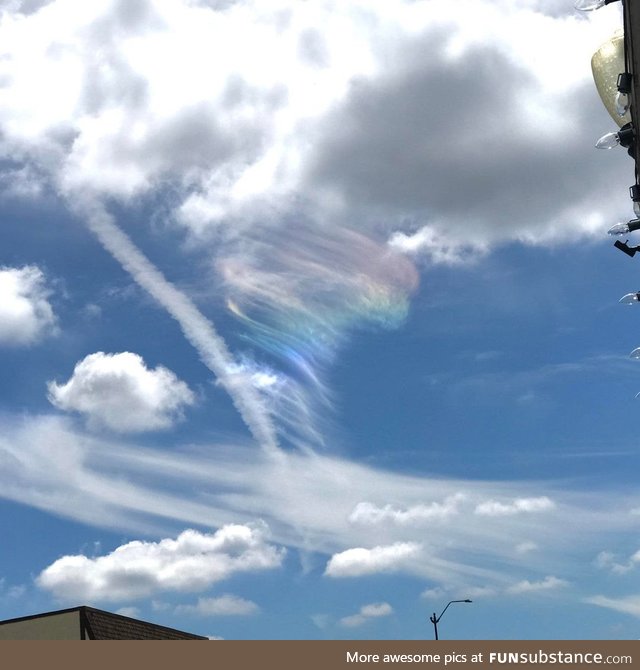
pixel 624 228
pixel 590 5
pixel 622 96
pixel 608 141
pixel 630 298
pixel 435 619
pixel 634 194
pixel 607 63
pixel 625 248
pixel 625 137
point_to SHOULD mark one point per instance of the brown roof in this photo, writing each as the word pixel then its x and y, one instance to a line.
pixel 97 624
pixel 101 625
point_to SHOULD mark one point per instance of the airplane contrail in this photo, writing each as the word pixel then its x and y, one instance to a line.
pixel 198 330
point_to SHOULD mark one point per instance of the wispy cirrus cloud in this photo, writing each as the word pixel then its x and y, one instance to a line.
pixel 523 588
pixel 224 605
pixel 49 463
pixel 626 604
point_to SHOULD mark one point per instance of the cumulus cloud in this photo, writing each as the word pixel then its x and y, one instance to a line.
pixel 225 605
pixel 369 514
pixel 516 506
pixel 25 312
pixel 344 122
pixel 353 113
pixel 367 612
pixel 360 561
pixel 191 562
pixel 549 583
pixel 119 392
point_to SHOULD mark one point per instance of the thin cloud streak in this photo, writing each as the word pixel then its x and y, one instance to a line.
pixel 625 604
pixel 197 329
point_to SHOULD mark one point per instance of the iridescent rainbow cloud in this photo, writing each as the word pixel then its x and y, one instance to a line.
pixel 301 293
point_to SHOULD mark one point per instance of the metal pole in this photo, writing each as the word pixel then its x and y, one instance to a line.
pixel 434 621
pixel 631 18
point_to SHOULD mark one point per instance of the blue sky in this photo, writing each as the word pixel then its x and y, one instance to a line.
pixel 309 320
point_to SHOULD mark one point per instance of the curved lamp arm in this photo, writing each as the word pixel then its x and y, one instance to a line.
pixel 434 619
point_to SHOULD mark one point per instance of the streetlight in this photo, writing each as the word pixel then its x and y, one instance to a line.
pixel 434 619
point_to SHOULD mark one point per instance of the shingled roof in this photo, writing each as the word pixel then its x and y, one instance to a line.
pixel 101 625
pixel 94 624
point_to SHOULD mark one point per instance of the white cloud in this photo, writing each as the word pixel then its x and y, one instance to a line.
pixel 435 246
pixel 459 592
pixel 517 506
pixel 626 604
pixel 367 612
pixel 225 605
pixel 119 392
pixel 608 561
pixel 192 562
pixel 434 593
pixel 25 312
pixel 369 514
pixel 376 610
pixel 132 98
pixel 51 464
pixel 360 561
pixel 11 592
pixel 549 583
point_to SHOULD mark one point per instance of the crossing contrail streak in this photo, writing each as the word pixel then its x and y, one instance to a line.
pixel 198 330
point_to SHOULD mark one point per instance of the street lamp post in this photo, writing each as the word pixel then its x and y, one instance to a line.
pixel 435 619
